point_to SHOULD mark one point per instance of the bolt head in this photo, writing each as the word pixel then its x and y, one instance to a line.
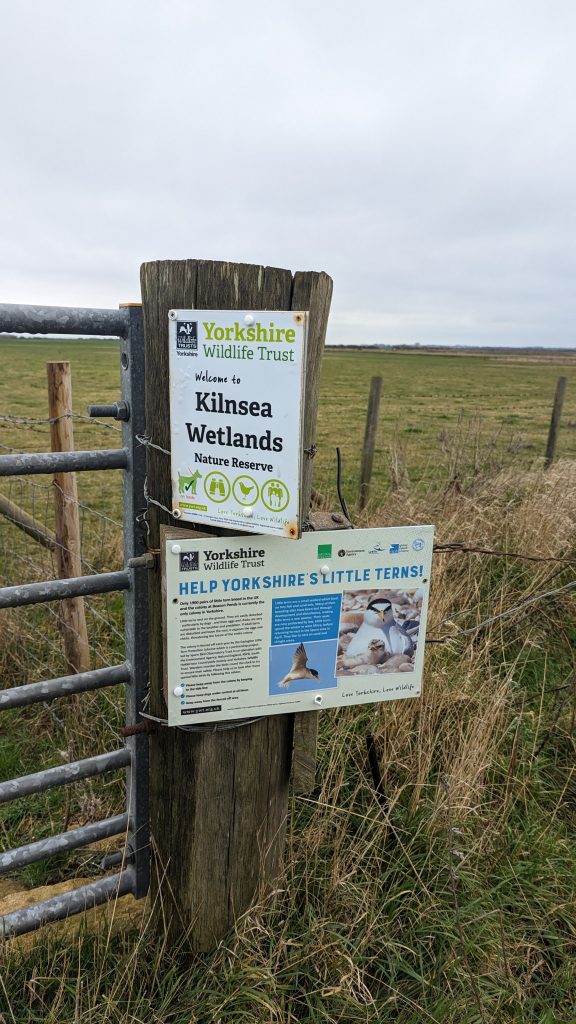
pixel 325 569
pixel 176 549
pixel 178 691
pixel 248 319
pixel 249 512
pixel 176 513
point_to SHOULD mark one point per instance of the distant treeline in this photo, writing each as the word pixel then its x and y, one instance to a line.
pixel 416 347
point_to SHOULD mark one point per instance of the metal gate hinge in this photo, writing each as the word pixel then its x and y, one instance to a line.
pixel 145 561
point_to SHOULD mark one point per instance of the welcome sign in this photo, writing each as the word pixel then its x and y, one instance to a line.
pixel 236 386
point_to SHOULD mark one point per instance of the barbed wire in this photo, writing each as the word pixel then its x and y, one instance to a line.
pixel 460 547
pixel 13 424
pixel 501 615
pixel 17 451
pixel 146 442
pixel 96 420
pixel 153 501
pixel 34 426
pixel 29 421
pixel 33 421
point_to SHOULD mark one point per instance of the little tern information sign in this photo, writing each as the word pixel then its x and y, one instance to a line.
pixel 257 626
pixel 236 386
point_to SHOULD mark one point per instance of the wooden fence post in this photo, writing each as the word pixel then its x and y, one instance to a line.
pixel 369 441
pixel 25 522
pixel 67 521
pixel 218 800
pixel 555 422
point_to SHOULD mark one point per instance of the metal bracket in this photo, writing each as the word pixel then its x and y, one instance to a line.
pixel 115 411
pixel 145 561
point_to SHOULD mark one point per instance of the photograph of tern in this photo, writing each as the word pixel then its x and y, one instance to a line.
pixel 298 668
pixel 378 631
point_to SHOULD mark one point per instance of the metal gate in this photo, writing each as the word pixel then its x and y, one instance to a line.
pixel 126 324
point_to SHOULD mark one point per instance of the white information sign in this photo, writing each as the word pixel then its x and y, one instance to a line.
pixel 236 386
pixel 257 626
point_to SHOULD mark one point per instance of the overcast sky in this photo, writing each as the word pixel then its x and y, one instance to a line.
pixel 422 153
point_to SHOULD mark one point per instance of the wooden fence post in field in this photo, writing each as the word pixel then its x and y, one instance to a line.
pixel 369 441
pixel 218 799
pixel 555 422
pixel 25 522
pixel 67 521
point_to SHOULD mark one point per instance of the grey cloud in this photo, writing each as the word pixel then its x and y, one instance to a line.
pixel 423 154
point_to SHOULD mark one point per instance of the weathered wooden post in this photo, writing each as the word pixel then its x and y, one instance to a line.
pixel 68 543
pixel 218 799
pixel 25 522
pixel 555 422
pixel 369 441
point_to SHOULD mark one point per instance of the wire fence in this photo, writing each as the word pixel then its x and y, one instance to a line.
pixel 458 457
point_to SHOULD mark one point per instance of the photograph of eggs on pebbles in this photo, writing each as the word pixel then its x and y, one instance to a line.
pixel 378 631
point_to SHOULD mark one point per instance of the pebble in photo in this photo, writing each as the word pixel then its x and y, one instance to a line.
pixel 378 631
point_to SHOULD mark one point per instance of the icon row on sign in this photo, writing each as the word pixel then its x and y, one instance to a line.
pixel 244 489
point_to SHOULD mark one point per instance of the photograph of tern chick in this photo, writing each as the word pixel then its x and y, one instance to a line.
pixel 378 631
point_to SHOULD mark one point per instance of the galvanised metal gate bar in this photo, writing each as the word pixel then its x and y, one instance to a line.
pixel 56 590
pixel 126 324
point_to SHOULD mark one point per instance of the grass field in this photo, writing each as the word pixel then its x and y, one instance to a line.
pixel 463 909
pixel 440 413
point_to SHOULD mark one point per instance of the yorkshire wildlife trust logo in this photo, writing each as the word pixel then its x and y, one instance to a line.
pixel 188 561
pixel 187 336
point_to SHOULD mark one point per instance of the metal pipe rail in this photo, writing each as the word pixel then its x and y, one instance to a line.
pixel 94 833
pixel 17 319
pixel 73 902
pixel 58 590
pixel 126 324
pixel 63 774
pixel 49 689
pixel 63 462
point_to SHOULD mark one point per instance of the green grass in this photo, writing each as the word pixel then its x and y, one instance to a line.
pixel 439 413
pixel 469 916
